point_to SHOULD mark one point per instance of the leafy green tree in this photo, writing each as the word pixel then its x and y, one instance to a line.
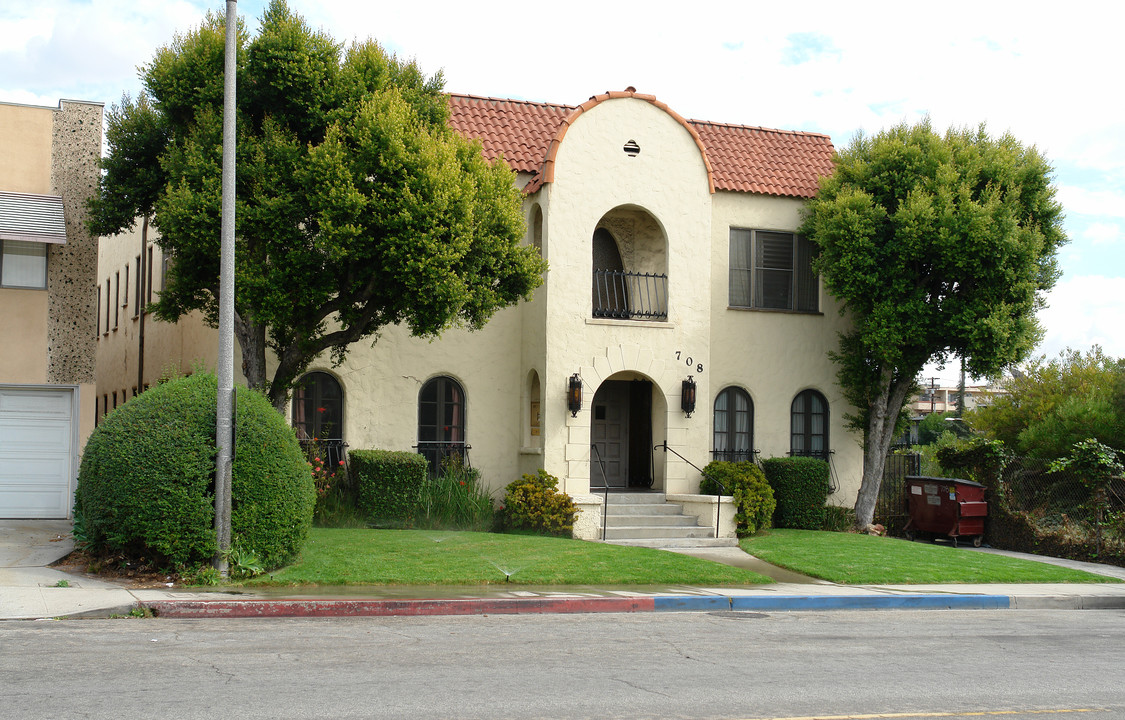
pixel 939 246
pixel 1053 404
pixel 357 205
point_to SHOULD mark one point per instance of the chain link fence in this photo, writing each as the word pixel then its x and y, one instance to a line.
pixel 1052 504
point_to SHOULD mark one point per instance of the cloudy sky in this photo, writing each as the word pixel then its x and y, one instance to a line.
pixel 1050 74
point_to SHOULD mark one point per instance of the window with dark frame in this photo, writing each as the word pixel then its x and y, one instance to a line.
pixel 733 424
pixel 107 304
pixel 148 280
pixel 771 270
pixel 441 421
pixel 98 318
pixel 137 291
pixel 116 299
pixel 318 407
pixel 125 288
pixel 808 434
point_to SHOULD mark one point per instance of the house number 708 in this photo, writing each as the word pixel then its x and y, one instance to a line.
pixel 689 362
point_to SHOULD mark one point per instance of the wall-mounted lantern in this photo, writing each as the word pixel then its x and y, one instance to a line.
pixel 574 395
pixel 687 396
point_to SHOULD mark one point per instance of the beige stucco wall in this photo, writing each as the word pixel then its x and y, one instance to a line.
pixel 25 148
pixel 169 348
pixel 23 325
pixel 775 355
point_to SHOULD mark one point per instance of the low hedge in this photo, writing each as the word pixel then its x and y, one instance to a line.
pixel 146 483
pixel 754 502
pixel 388 484
pixel 800 485
pixel 534 503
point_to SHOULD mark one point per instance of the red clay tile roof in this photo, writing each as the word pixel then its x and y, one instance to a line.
pixel 738 158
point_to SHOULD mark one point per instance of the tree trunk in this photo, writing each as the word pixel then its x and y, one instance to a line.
pixel 252 342
pixel 882 418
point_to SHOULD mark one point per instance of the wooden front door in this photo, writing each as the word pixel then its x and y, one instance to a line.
pixel 609 435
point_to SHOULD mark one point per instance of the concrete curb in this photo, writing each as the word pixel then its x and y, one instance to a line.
pixel 512 606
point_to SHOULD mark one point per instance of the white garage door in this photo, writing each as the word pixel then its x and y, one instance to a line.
pixel 36 452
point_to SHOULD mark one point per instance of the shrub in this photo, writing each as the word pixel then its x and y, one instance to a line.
pixel 455 500
pixel 838 518
pixel 388 484
pixel 800 485
pixel 534 503
pixel 753 498
pixel 146 486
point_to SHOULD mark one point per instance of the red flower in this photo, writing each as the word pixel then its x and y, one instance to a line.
pixel 322 409
pixel 341 462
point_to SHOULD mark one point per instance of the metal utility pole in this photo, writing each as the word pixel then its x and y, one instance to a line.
pixel 224 437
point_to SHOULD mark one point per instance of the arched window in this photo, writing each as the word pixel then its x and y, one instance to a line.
pixel 441 421
pixel 318 407
pixel 809 425
pixel 734 426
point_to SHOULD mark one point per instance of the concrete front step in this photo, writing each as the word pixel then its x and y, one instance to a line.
pixel 665 543
pixel 640 532
pixel 648 519
pixel 674 519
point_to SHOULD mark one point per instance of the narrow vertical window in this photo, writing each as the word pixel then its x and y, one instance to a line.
pixel 441 421
pixel 137 292
pixel 741 269
pixel 148 280
pixel 733 426
pixel 116 298
pixel 809 425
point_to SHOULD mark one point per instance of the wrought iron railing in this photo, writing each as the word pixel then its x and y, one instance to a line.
pixel 332 451
pixel 722 488
pixel 735 455
pixel 630 295
pixel 605 486
pixel 439 453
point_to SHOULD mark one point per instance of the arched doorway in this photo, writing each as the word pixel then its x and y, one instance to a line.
pixel 621 435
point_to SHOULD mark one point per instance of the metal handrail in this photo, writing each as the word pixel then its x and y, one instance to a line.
pixel 605 484
pixel 664 446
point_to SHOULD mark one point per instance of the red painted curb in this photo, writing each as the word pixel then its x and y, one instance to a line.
pixel 382 608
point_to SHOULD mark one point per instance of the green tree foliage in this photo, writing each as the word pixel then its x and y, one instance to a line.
pixel 1056 403
pixel 357 205
pixel 145 484
pixel 939 246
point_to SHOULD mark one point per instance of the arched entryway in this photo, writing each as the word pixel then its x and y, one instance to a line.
pixel 622 434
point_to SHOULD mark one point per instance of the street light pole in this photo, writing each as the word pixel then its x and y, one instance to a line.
pixel 224 437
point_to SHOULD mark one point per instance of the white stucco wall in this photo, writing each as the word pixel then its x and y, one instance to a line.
pixel 774 355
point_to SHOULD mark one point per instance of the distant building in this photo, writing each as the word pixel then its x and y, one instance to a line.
pixel 48 302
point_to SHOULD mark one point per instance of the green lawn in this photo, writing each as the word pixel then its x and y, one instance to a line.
pixel 419 557
pixel 854 559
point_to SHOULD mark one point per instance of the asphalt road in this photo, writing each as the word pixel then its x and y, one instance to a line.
pixel 933 664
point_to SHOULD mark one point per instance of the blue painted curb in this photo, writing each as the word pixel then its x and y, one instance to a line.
pixel 833 602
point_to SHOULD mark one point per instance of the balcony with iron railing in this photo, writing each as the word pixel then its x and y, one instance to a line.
pixel 630 296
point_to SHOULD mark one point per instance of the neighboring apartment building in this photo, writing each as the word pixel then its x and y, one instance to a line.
pixel 48 168
pixel 675 276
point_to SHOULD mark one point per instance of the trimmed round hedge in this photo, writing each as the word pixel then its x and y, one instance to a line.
pixel 146 483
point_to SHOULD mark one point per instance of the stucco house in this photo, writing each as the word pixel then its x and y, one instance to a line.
pixel 48 167
pixel 679 308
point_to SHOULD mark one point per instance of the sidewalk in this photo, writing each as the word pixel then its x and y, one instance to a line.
pixel 31 590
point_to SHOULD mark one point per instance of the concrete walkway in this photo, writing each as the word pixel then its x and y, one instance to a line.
pixel 29 589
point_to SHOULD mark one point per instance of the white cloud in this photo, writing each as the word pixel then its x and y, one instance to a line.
pixel 1092 201
pixel 1103 233
pixel 1084 311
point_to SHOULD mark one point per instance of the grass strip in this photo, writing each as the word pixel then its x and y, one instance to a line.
pixel 854 559
pixel 335 556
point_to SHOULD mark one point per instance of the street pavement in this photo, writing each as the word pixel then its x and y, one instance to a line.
pixel 31 589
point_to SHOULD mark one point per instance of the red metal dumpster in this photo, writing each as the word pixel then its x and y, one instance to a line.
pixel 948 507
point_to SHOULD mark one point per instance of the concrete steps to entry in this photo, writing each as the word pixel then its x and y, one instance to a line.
pixel 647 519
